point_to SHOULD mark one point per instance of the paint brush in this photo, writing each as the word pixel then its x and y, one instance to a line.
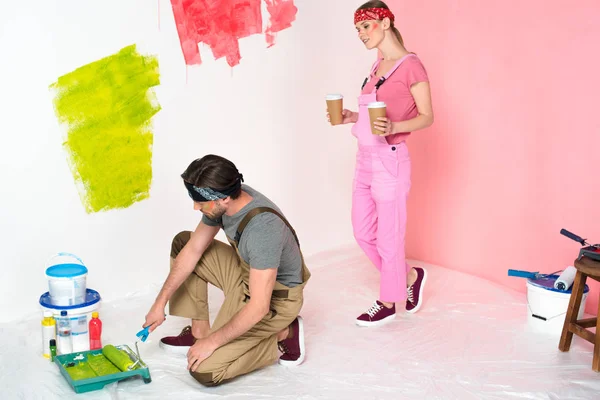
pixel 143 334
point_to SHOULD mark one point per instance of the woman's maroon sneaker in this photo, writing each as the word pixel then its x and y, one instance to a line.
pixel 415 292
pixel 377 315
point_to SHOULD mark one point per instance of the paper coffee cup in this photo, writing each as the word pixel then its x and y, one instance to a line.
pixel 376 109
pixel 335 105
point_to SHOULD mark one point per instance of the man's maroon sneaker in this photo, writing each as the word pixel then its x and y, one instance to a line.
pixel 179 344
pixel 293 347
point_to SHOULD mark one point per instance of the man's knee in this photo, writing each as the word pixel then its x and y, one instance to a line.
pixel 179 241
pixel 208 379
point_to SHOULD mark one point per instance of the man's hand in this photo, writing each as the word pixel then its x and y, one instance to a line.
pixel 200 351
pixel 155 317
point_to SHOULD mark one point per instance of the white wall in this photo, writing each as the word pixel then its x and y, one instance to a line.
pixel 266 115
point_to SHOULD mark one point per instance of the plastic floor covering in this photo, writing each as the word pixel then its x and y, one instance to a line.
pixel 471 340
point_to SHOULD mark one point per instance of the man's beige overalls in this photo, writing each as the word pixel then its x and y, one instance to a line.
pixel 223 266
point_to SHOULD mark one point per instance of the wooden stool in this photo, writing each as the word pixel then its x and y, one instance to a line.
pixel 586 267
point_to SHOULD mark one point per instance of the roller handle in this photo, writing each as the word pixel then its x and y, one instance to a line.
pixel 522 274
pixel 573 236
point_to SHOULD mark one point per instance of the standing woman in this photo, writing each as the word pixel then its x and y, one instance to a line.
pixel 382 176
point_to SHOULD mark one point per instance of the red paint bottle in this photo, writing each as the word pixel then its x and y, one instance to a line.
pixel 95 329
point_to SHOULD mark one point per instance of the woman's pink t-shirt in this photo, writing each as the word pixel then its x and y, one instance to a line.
pixel 395 92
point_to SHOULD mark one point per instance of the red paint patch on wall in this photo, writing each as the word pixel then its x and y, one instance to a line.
pixel 283 13
pixel 217 23
pixel 221 23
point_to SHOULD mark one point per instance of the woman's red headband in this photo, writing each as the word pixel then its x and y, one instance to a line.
pixel 372 13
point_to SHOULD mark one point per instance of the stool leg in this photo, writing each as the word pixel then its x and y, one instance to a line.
pixel 572 311
pixel 596 359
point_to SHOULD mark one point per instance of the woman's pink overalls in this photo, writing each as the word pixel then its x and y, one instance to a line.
pixel 380 191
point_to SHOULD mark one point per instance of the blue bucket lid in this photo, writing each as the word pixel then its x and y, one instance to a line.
pixel 66 270
pixel 548 284
pixel 91 297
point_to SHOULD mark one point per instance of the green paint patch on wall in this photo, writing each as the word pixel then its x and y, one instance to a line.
pixel 107 106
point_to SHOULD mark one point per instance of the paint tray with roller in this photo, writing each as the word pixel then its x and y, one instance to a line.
pixel 87 371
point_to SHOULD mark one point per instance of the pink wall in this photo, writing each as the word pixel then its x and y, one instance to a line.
pixel 514 154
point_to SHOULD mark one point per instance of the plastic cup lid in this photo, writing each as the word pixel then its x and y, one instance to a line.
pixel 334 97
pixel 377 104
pixel 66 270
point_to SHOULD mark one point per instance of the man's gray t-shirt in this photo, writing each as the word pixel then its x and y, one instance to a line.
pixel 266 242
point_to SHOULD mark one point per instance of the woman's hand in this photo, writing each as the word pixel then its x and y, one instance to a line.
pixel 384 125
pixel 347 116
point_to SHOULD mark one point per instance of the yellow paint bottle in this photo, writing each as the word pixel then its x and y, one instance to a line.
pixel 48 332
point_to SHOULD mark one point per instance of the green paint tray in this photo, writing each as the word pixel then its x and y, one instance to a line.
pixel 90 381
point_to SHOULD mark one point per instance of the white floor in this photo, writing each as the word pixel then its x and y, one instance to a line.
pixel 471 340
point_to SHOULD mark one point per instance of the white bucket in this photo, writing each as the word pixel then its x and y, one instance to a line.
pixel 547 307
pixel 67 282
pixel 80 317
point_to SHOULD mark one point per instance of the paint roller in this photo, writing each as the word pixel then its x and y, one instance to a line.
pixel 565 279
pixel 590 250
pixel 118 357
pixel 577 238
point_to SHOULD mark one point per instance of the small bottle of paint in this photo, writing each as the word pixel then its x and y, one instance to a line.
pixel 52 349
pixel 48 332
pixel 95 328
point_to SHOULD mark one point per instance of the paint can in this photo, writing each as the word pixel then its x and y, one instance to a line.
pixel 67 280
pixel 547 306
pixel 79 315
